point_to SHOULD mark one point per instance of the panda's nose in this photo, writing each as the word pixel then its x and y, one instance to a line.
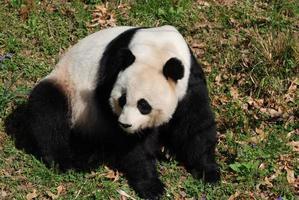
pixel 125 125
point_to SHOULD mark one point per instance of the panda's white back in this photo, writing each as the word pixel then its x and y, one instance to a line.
pixel 82 61
pixel 77 71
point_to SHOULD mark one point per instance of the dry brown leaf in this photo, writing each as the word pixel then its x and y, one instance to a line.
pixel 261 135
pixel 32 195
pixel 26 9
pixel 262 166
pixel 290 175
pixel 256 103
pixel 102 17
pixel 234 92
pixel 51 195
pixel 182 194
pixel 113 175
pixel 3 194
pixel 203 3
pixel 295 145
pixel 291 94
pixel 291 133
pixel 123 197
pixel 124 194
pixel 272 112
pixel 267 182
pixel 293 86
pixel 227 2
pixel 275 175
pixel 234 196
pixel 60 188
pixel 218 79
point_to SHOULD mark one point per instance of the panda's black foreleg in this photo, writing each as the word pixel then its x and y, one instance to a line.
pixel 200 156
pixel 191 134
pixel 196 152
pixel 48 123
pixel 139 166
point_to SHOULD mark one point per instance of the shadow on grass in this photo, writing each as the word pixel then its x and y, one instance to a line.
pixel 15 126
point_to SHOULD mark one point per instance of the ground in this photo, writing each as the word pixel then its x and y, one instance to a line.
pixel 249 51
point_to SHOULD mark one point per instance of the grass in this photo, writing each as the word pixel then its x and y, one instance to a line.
pixel 250 53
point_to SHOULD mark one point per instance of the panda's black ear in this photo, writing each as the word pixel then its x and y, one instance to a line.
pixel 125 58
pixel 173 69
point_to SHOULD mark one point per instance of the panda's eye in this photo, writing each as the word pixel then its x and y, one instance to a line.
pixel 122 100
pixel 144 106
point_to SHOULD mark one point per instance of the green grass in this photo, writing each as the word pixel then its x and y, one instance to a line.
pixel 249 51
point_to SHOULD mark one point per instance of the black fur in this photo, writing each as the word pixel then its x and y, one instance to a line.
pixel 173 69
pixel 48 122
pixel 133 155
pixel 80 147
pixel 117 57
pixel 190 135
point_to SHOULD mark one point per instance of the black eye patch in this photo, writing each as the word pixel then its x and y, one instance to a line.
pixel 122 100
pixel 144 107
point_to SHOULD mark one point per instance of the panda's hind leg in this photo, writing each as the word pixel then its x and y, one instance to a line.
pixel 48 123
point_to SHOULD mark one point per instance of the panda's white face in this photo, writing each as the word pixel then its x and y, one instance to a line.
pixel 143 98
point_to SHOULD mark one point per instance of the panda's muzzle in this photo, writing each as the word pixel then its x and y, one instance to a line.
pixel 125 125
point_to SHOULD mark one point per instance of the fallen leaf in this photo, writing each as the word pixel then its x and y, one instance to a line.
pixel 123 197
pixel 31 195
pixel 291 133
pixel 262 166
pixel 102 17
pixel 234 92
pixel 256 103
pixel 3 193
pixel 124 194
pixel 51 195
pixel 234 196
pixel 60 188
pixel 267 182
pixel 261 135
pixel 295 145
pixel 182 194
pixel 290 176
pixel 114 175
pixel 272 112
pixel 203 3
pixel 227 2
pixel 218 79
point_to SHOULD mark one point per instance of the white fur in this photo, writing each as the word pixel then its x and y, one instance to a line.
pixel 77 71
pixel 155 46
pixel 81 64
pixel 142 81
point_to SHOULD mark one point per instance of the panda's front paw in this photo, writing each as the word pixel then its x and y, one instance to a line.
pixel 212 174
pixel 151 189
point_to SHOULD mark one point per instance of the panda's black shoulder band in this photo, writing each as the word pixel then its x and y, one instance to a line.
pixel 115 58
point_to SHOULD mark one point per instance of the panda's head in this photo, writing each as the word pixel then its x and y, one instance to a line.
pixel 144 97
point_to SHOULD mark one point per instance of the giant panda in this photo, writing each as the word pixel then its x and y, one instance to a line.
pixel 116 97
